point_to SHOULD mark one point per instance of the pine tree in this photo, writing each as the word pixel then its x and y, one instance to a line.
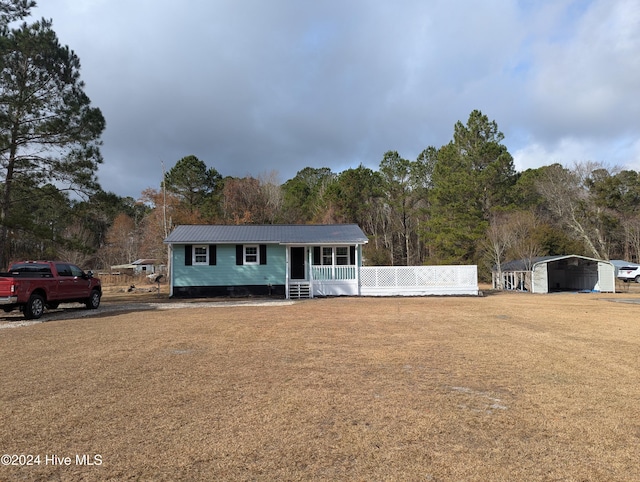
pixel 49 132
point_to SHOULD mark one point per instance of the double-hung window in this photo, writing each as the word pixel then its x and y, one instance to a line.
pixel 200 254
pixel 342 255
pixel 251 254
pixel 327 256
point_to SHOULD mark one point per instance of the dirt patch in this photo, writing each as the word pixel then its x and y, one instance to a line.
pixel 503 387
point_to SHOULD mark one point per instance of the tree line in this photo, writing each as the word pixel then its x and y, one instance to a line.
pixel 460 203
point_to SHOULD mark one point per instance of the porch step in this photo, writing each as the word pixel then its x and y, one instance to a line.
pixel 299 290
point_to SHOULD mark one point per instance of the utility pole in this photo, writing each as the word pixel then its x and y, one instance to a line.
pixel 166 232
pixel 164 202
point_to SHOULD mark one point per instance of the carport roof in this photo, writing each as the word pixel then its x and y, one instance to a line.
pixel 521 264
pixel 268 233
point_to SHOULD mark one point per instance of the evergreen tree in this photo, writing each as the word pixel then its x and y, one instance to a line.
pixel 11 10
pixel 396 175
pixel 357 197
pixel 49 132
pixel 304 195
pixel 196 186
pixel 472 176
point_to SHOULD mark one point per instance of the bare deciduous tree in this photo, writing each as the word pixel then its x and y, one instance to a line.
pixel 525 244
pixel 500 238
pixel 122 240
pixel 251 200
pixel 568 198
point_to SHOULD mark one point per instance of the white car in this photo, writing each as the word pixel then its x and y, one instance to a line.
pixel 629 273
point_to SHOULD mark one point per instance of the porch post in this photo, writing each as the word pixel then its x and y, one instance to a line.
pixel 310 269
pixel 170 268
pixel 286 269
pixel 333 263
pixel 357 268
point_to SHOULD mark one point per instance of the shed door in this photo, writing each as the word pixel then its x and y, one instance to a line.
pixel 297 263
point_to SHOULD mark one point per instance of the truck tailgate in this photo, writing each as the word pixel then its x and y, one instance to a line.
pixel 5 287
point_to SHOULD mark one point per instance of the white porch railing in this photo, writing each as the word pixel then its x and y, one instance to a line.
pixel 336 272
pixel 418 280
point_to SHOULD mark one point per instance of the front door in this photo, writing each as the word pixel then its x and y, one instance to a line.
pixel 297 263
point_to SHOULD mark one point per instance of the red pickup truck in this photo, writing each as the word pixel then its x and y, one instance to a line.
pixel 32 286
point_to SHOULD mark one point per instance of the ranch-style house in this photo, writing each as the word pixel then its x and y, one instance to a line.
pixel 296 261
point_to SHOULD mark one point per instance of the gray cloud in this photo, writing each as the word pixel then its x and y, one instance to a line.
pixel 251 86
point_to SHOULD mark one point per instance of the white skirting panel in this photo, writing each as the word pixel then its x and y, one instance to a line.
pixel 335 288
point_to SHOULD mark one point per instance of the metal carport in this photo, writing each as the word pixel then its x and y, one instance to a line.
pixel 558 273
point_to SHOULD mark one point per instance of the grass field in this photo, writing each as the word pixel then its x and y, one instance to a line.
pixel 508 386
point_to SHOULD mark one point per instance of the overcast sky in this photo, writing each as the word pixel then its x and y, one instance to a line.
pixel 256 86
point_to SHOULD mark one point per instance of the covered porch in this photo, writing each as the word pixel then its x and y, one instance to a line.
pixel 328 270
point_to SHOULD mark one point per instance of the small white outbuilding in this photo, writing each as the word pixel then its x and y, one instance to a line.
pixel 556 273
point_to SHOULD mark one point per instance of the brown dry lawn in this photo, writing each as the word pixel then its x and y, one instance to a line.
pixel 509 386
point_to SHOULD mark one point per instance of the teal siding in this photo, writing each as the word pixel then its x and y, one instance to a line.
pixel 227 273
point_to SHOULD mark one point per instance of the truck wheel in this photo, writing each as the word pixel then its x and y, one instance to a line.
pixel 638 279
pixel 93 301
pixel 34 307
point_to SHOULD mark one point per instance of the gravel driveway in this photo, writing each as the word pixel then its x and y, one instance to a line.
pixel 69 311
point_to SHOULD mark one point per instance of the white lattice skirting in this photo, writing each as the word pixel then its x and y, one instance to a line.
pixel 418 280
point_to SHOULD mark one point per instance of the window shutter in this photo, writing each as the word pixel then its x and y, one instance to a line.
pixel 352 255
pixel 263 254
pixel 212 254
pixel 316 255
pixel 188 253
pixel 239 254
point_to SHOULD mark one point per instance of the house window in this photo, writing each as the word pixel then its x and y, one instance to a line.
pixel 342 255
pixel 201 255
pixel 329 256
pixel 251 255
